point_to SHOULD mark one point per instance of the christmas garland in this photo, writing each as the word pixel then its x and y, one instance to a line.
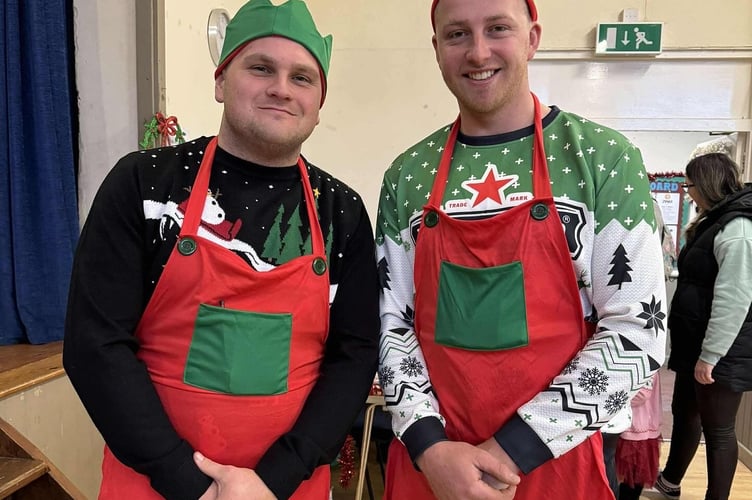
pixel 346 461
pixel 162 131
pixel 346 458
pixel 663 175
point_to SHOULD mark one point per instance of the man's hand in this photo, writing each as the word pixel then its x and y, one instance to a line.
pixel 492 446
pixel 704 372
pixel 455 471
pixel 211 493
pixel 232 483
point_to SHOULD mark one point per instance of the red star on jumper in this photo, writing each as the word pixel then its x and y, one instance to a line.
pixel 491 186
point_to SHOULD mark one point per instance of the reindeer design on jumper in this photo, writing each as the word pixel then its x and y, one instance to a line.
pixel 214 226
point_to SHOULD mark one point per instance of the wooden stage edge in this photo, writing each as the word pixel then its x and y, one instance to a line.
pixel 23 366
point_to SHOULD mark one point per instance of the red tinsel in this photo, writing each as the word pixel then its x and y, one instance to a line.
pixel 664 175
pixel 346 458
pixel 347 462
pixel 637 462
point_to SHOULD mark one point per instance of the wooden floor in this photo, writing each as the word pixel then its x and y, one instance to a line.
pixel 694 483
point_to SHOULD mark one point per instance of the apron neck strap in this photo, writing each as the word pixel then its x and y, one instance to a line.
pixel 317 237
pixel 199 191
pixel 200 188
pixel 541 180
pixel 439 184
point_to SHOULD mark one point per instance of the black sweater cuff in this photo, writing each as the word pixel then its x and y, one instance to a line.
pixel 421 435
pixel 523 445
pixel 282 469
pixel 177 477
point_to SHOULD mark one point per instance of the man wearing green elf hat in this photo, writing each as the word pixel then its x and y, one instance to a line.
pixel 222 325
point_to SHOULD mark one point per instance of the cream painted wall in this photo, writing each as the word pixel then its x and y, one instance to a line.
pixel 53 419
pixel 105 40
pixel 385 90
pixel 666 151
pixel 648 94
pixel 689 24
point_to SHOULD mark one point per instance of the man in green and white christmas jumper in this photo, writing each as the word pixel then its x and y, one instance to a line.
pixel 523 302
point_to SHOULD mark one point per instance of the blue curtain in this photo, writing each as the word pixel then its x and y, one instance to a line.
pixel 38 205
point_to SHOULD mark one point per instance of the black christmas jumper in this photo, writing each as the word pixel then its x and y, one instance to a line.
pixel 260 214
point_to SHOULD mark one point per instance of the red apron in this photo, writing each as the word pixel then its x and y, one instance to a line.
pixel 498 316
pixel 233 353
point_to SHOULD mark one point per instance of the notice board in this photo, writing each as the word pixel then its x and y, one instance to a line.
pixel 674 204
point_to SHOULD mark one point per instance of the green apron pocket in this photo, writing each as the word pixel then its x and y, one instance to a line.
pixel 239 352
pixel 481 309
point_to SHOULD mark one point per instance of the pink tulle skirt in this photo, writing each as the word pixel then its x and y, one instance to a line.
pixel 637 461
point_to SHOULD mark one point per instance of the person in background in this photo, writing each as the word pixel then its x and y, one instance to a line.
pixel 611 433
pixel 522 295
pixel 638 449
pixel 222 326
pixel 711 326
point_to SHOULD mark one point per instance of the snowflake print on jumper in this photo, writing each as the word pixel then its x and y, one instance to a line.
pixel 386 376
pixel 571 366
pixel 411 367
pixel 594 381
pixel 653 314
pixel 616 402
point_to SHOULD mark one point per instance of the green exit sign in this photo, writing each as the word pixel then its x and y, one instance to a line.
pixel 629 38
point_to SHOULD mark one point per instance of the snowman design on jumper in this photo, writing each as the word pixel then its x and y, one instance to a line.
pixel 214 226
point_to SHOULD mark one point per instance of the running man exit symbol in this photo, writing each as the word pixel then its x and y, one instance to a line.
pixel 629 38
pixel 640 38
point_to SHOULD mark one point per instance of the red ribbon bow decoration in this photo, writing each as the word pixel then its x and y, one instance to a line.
pixel 167 127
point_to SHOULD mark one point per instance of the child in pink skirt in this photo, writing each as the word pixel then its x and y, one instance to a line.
pixel 638 448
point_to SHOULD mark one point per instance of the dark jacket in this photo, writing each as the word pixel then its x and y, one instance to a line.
pixel 692 302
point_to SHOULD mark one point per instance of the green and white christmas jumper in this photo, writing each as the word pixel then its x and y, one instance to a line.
pixel 603 198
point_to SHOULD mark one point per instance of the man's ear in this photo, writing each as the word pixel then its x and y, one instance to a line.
pixel 219 87
pixel 535 38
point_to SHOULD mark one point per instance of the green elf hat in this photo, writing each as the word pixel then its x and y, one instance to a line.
pixel 530 7
pixel 292 20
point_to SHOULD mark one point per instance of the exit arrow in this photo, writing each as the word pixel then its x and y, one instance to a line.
pixel 626 38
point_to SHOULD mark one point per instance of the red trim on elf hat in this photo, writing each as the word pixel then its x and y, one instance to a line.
pixel 530 7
